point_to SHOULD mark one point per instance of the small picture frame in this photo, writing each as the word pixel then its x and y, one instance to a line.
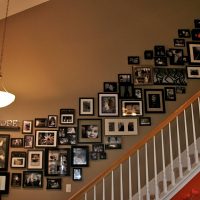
pixel 28 141
pixel 195 34
pixel 121 126
pixel 89 130
pixel 197 23
pixel 110 87
pixel 17 142
pixel 102 155
pixel 170 93
pixel 4 182
pixel 113 142
pixel 154 101
pixel 148 54
pixel 194 52
pixel 57 162
pixel 86 106
pixel 193 72
pixel 98 148
pixel 27 126
pixel 33 179
pixel 131 108
pixel 93 155
pixel 124 78
pixel 41 122
pixel 77 174
pixel 159 51
pixel 18 159
pixel 125 91
pixel 35 159
pixel 184 33
pixel 67 136
pixel 179 42
pixel 108 104
pixel 46 138
pixel 133 60
pixel 176 56
pixel 160 61
pixel 80 156
pixel 180 90
pixel 137 93
pixel 145 121
pixel 16 179
pixel 52 121
pixel 54 183
pixel 67 116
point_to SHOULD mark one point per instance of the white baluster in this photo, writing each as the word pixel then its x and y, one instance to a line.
pixel 121 183
pixel 86 196
pixel 179 149
pixel 138 169
pixel 147 172
pixel 194 136
pixel 199 105
pixel 112 187
pixel 155 169
pixel 163 163
pixel 94 192
pixel 186 141
pixel 130 178
pixel 171 156
pixel 104 194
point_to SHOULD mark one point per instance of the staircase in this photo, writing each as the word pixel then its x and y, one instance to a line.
pixel 158 166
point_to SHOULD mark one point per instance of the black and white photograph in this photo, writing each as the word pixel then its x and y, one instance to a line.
pixel 113 142
pixel 110 86
pixel 52 121
pixel 27 126
pixel 54 183
pixel 32 179
pixel 28 141
pixel 184 33
pixel 77 174
pixel 17 142
pixel 170 93
pixel 16 179
pixel 125 91
pixel 133 60
pixel 41 122
pixel 35 159
pixel 86 106
pixel 67 116
pixel 18 159
pixel 131 108
pixel 159 50
pixel 176 56
pixel 124 78
pixel 194 52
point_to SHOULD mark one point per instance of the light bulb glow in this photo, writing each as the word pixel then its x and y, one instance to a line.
pixel 6 98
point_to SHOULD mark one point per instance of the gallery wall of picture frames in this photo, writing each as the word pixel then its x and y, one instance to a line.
pixel 63 145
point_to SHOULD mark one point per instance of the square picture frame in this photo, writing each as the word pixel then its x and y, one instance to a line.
pixel 193 72
pixel 145 121
pixel 18 159
pixel 148 54
pixel 57 162
pixel 17 142
pixel 35 159
pixel 52 121
pixel 27 126
pixel 130 108
pixel 197 23
pixel 193 49
pixel 80 156
pixel 108 104
pixel 4 182
pixel 128 126
pixel 46 138
pixel 77 174
pixel 170 93
pixel 110 87
pixel 33 179
pixel 67 116
pixel 54 184
pixel 154 101
pixel 86 106
pixel 16 179
pixel 28 141
pixel 89 130
pixel 67 135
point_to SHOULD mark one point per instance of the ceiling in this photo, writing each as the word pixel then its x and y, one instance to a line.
pixel 16 6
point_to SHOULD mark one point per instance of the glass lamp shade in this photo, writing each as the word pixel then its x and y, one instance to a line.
pixel 6 98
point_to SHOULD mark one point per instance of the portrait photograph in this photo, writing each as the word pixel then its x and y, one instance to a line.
pixel 194 52
pixel 86 106
pixel 32 179
pixel 27 126
pixel 35 159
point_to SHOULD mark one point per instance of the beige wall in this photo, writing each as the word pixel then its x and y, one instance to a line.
pixel 63 50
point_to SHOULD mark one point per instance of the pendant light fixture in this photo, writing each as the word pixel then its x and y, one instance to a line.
pixel 6 98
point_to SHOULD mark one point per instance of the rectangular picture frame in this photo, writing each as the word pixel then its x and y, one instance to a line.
pixel 41 122
pixel 54 184
pixel 28 141
pixel 193 72
pixel 35 159
pixel 110 87
pixel 77 174
pixel 170 93
pixel 193 49
pixel 17 142
pixel 27 126
pixel 131 108
pixel 86 106
pixel 52 121
pixel 4 182
pixel 18 159
pixel 16 179
pixel 33 179
pixel 67 116
pixel 113 142
pixel 67 135
pixel 145 121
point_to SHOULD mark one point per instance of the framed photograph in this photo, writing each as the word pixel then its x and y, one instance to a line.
pixel 142 75
pixel 159 50
pixel 33 179
pixel 67 136
pixel 86 106
pixel 197 23
pixel 193 72
pixel 67 116
pixel 137 93
pixel 102 155
pixel 154 101
pixel 52 121
pixel 113 142
pixel 35 159
pixel 131 108
pixel 170 93
pixel 80 156
pixel 110 86
pixel 93 155
pixel 46 138
pixel 195 34
pixel 148 54
pixel 18 159
pixel 121 126
pixel 4 182
pixel 145 121
pixel 194 52
pixel 17 142
pixel 89 130
pixel 77 174
pixel 28 141
pixel 160 61
pixel 41 122
pixel 27 126
pixel 54 183
pixel 180 90
pixel 98 148
pixel 124 78
pixel 4 151
pixel 170 76
pixel 184 33
pixel 176 56
pixel 108 104
pixel 125 91
pixel 179 42
pixel 16 179
pixel 57 162
pixel 133 60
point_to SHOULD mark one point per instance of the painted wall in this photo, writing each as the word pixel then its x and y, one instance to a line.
pixel 62 50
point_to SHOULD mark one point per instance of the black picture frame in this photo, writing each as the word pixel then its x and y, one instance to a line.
pixel 17 142
pixel 195 34
pixel 27 126
pixel 180 90
pixel 80 156
pixel 67 135
pixel 170 93
pixel 133 60
pixel 131 108
pixel 94 155
pixel 148 54
pixel 41 122
pixel 124 78
pixel 137 93
pixel 33 179
pixel 160 61
pixel 125 91
pixel 197 23
pixel 28 141
pixel 179 42
pixel 57 162
pixel 4 150
pixel 54 183
pixel 113 142
pixel 154 101
pixel 18 159
pixel 110 87
pixel 52 121
pixel 98 148
pixel 145 121
pixel 184 33
pixel 86 106
pixel 193 49
pixel 16 179
pixel 176 56
pixel 67 116
pixel 77 174
pixel 4 182
pixel 159 51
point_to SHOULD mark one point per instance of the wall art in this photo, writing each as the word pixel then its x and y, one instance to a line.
pixel 17 142
pixel 4 182
pixel 16 179
pixel 18 159
pixel 145 121
pixel 33 179
pixel 131 108
pixel 148 54
pixel 77 174
pixel 124 78
pixel 67 116
pixel 197 23
pixel 159 50
pixel 178 42
pixel 133 60
pixel 27 126
pixel 54 183
pixel 67 136
pixel 28 141
pixel 170 93
pixel 184 33
pixel 113 142
pixel 195 34
pixel 110 87
pixel 125 91
pixel 193 72
pixel 41 122
pixel 160 61
pixel 137 93
pixel 35 159
pixel 194 52
pixel 52 121
pixel 86 106
pixel 176 56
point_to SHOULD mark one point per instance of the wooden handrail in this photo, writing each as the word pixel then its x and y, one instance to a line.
pixel 134 148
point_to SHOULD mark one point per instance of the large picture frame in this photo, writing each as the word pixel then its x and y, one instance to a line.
pixel 194 52
pixel 18 159
pixel 131 108
pixel 108 104
pixel 80 156
pixel 89 130
pixel 127 126
pixel 57 162
pixel 33 179
pixel 35 159
pixel 4 150
pixel 4 182
pixel 154 101
pixel 193 72
pixel 46 138
pixel 86 106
